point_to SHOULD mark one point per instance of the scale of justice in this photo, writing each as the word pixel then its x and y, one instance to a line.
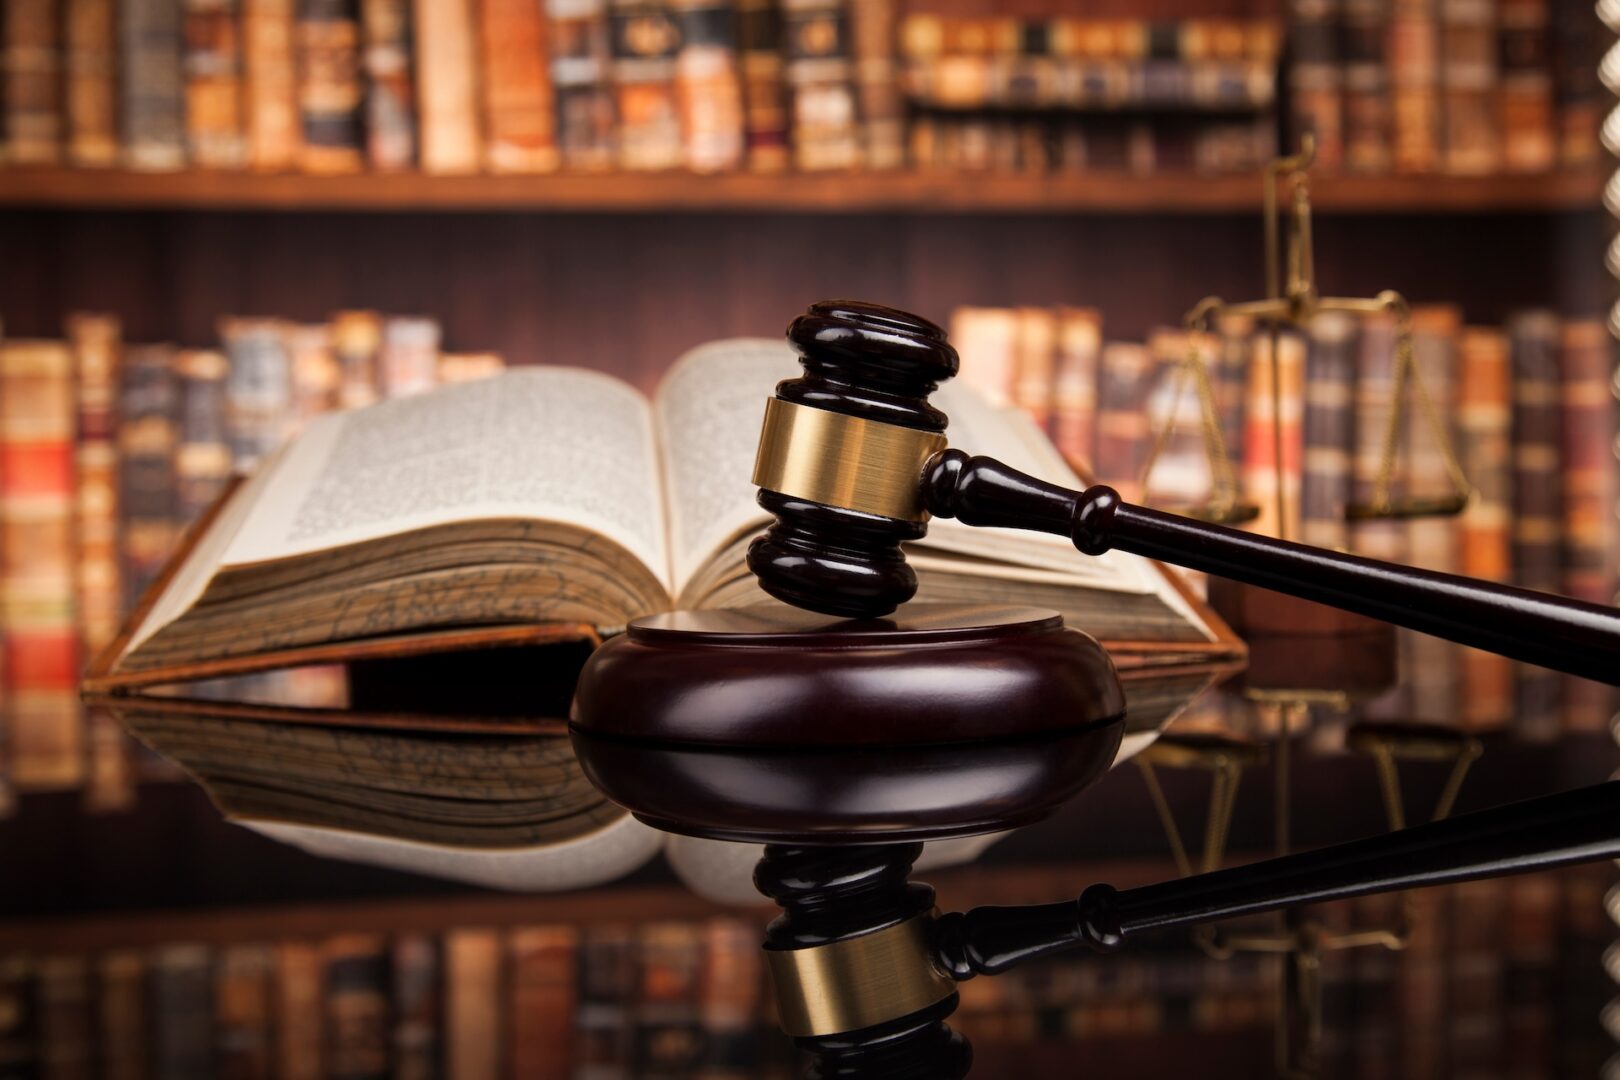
pixel 841 732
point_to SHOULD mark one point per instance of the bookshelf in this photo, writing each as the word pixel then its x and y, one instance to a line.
pixel 829 193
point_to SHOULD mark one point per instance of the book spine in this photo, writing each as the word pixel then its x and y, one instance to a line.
pixel 98 596
pixel 152 84
pixel 1431 665
pixel 410 356
pixel 1537 499
pixel 1180 476
pixel 1329 430
pixel 1421 990
pixel 202 461
pixel 1530 974
pixel 316 376
pixel 329 96
pixel 1074 394
pixel 708 85
pixel 417 1007
pixel 33 99
pixel 473 1014
pixel 1368 147
pixel 986 340
pixel 1374 401
pixel 446 74
pixel 882 111
pixel 1524 89
pixel 519 112
pixel 1484 397
pixel 90 33
pixel 270 83
pixel 1579 39
pixel 357 991
pixel 1468 80
pixel 98 586
pixel 580 52
pixel 1273 424
pixel 181 993
pixel 820 77
pixel 603 1033
pixel 121 1015
pixel 1415 85
pixel 646 40
pixel 390 105
pixel 1230 378
pixel 213 71
pixel 468 367
pixel 1034 357
pixel 765 119
pixel 243 1011
pixel 1591 496
pixel 148 435
pixel 1474 986
pixel 19 1036
pixel 669 1031
pixel 258 388
pixel 65 1024
pixel 540 965
pixel 729 998
pixel 1316 79
pixel 1123 437
pixel 357 340
pixel 37 413
pixel 299 1031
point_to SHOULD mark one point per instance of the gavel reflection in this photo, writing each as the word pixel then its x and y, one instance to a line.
pixel 840 742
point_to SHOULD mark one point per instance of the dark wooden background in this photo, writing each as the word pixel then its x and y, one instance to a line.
pixel 628 293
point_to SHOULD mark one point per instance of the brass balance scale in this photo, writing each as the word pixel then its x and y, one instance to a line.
pixel 1292 302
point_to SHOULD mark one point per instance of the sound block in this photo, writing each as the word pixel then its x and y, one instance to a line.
pixel 775 725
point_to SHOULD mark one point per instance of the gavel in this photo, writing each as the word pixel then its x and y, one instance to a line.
pixel 853 460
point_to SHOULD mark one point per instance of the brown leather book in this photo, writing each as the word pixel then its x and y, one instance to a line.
pixel 390 85
pixel 446 86
pixel 243 1010
pixel 759 38
pixel 356 1000
pixel 90 36
pixel 708 86
pixel 1484 411
pixel 518 108
pixel 329 94
pixel 541 964
pixel 300 1028
pixel 531 506
pixel 646 41
pixel 33 89
pixel 1538 505
pixel 270 85
pixel 473 1004
pixel 213 69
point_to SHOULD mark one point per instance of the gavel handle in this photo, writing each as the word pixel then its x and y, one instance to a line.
pixel 1556 830
pixel 1555 632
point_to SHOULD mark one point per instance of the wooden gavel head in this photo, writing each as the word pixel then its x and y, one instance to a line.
pixel 841 458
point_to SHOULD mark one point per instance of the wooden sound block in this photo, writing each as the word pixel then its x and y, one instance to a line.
pixel 777 725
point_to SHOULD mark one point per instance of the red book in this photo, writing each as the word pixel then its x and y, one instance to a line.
pixel 37 414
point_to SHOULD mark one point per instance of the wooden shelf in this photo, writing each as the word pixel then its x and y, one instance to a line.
pixel 877 193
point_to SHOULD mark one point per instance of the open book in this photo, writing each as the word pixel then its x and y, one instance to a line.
pixel 558 501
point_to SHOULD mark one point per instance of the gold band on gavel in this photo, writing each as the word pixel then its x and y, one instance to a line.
pixel 857 982
pixel 846 461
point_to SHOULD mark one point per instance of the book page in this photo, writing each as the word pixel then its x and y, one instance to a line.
pixel 558 444
pixel 708 410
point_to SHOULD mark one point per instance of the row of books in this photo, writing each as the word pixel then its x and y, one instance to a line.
pixel 1077 95
pixel 108 451
pixel 1496 977
pixel 547 1001
pixel 1463 87
pixel 452 86
pixel 1500 977
pixel 1530 409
